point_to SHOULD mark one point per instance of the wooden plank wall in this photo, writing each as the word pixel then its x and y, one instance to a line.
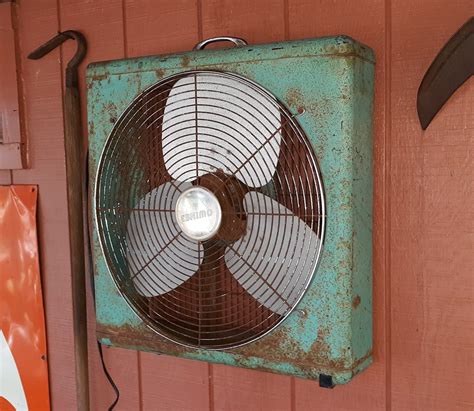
pixel 423 233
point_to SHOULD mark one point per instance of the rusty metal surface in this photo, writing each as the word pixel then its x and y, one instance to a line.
pixel 331 79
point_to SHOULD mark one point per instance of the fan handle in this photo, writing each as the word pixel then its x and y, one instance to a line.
pixel 236 40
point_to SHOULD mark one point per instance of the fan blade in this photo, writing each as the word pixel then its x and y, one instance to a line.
pixel 212 307
pixel 272 260
pixel 159 257
pixel 218 122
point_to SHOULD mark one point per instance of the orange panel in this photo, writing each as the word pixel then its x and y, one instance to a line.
pixel 21 301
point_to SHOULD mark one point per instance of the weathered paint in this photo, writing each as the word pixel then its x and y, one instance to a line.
pixel 332 80
pixel 24 380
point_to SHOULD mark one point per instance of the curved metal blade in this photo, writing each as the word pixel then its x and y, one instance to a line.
pixel 158 256
pixel 211 308
pixel 449 70
pixel 275 258
pixel 213 122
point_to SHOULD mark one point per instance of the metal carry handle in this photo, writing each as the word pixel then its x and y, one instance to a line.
pixel 236 40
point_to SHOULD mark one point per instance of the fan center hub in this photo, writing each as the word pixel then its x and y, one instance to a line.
pixel 198 213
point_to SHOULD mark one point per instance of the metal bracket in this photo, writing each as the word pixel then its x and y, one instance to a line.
pixel 71 69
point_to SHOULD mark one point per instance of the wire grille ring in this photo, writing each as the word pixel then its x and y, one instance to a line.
pixel 228 135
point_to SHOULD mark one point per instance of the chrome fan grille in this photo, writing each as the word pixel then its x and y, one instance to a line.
pixel 227 134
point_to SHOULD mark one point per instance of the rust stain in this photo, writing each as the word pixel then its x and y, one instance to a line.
pixel 281 347
pixel 99 77
pixel 128 335
pixel 294 98
pixel 160 73
pixel 111 110
pixel 356 301
pixel 91 127
pixel 185 61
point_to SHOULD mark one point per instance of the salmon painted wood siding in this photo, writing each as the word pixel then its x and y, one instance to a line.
pixel 423 227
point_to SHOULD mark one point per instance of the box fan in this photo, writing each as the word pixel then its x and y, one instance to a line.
pixel 232 205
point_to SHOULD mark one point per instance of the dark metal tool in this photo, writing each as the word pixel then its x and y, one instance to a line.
pixel 453 66
pixel 74 152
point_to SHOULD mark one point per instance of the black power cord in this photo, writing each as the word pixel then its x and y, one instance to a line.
pixel 86 213
pixel 109 377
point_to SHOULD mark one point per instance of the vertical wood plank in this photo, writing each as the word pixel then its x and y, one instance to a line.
pixel 158 28
pixel 10 135
pixel 237 389
pixel 366 23
pixel 41 84
pixel 432 233
pixel 174 384
pixel 151 28
pixel 256 22
pixel 101 22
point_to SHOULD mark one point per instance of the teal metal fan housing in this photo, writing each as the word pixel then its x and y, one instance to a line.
pixel 232 205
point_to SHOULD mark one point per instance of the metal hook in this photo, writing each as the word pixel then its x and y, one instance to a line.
pixel 61 37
